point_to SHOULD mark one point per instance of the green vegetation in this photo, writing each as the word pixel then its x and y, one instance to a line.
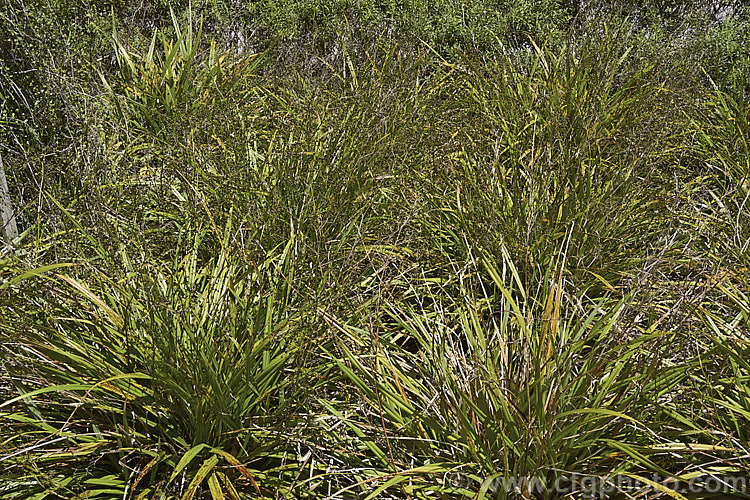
pixel 338 249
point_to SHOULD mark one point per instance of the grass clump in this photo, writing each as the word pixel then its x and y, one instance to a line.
pixel 504 389
pixel 175 377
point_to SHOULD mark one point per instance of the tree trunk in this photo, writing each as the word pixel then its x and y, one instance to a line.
pixel 7 216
